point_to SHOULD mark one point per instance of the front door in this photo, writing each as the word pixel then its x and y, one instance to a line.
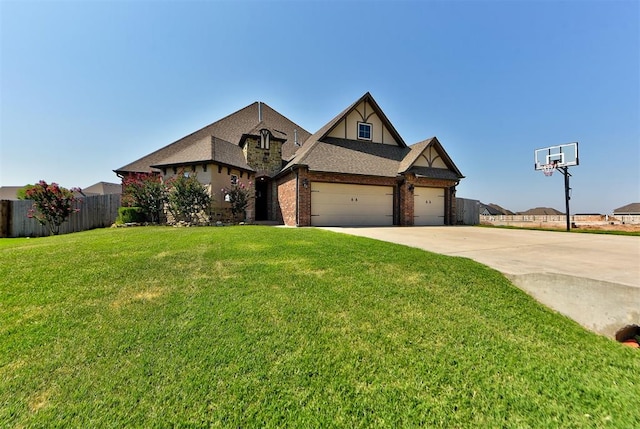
pixel 262 191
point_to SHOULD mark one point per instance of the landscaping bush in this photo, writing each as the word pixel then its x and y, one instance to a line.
pixel 52 204
pixel 188 200
pixel 131 215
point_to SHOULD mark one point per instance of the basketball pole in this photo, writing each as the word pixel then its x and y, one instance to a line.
pixel 567 197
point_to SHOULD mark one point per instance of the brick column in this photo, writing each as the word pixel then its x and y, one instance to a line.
pixel 304 197
pixel 406 200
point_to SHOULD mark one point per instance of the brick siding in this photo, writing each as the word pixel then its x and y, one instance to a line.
pixel 403 196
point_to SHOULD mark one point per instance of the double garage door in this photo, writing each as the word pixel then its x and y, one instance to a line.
pixel 337 204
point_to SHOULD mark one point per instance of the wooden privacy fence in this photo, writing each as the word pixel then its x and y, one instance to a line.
pixel 467 211
pixel 96 211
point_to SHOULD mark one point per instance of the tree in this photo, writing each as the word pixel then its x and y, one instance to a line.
pixel 52 204
pixel 238 195
pixel 147 191
pixel 187 197
pixel 21 194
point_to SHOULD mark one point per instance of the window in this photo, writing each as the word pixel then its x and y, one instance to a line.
pixel 264 139
pixel 234 179
pixel 364 131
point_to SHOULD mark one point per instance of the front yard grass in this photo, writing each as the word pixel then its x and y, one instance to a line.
pixel 274 327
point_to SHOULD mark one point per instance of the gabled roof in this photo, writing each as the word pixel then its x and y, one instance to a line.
pixel 418 149
pixel 633 208
pixel 494 209
pixel 103 188
pixel 324 131
pixel 209 149
pixel 231 128
pixel 491 210
pixel 337 155
pixel 500 209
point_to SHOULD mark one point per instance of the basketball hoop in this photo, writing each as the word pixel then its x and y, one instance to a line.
pixel 547 169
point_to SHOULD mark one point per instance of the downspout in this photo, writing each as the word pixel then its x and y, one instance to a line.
pixel 297 200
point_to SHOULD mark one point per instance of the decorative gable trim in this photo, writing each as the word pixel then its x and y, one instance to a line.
pixel 429 154
pixel 365 116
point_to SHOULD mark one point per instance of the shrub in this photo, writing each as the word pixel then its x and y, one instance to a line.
pixel 147 191
pixel 131 215
pixel 52 204
pixel 238 195
pixel 187 198
pixel 21 194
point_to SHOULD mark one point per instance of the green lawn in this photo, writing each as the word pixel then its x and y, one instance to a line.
pixel 273 327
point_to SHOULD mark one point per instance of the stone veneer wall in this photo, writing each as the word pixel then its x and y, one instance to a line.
pixel 264 161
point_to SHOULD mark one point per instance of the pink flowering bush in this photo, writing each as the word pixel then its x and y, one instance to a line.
pixel 238 195
pixel 147 191
pixel 52 204
pixel 187 199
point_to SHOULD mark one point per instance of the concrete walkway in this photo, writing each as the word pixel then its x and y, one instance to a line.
pixel 592 278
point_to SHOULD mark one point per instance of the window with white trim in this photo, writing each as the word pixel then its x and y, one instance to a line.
pixel 364 131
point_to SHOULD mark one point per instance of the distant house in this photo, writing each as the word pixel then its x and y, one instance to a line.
pixel 501 209
pixel 487 210
pixel 629 209
pixel 541 211
pixel 355 170
pixel 103 188
pixel 9 192
pixel 492 209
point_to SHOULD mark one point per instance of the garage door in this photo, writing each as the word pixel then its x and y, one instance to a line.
pixel 428 206
pixel 334 204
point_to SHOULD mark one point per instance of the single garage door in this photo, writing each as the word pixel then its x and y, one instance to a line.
pixel 428 206
pixel 337 204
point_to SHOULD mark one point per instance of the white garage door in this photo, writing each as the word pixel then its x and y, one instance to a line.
pixel 336 204
pixel 428 206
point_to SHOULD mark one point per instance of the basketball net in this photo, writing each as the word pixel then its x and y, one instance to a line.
pixel 547 169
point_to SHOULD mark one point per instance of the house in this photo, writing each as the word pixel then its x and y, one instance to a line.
pixel 542 211
pixel 502 210
pixel 9 192
pixel 489 210
pixel 103 188
pixel 629 209
pixel 355 170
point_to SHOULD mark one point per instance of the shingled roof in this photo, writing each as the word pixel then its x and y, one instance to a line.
pixel 103 188
pixel 437 173
pixel 209 149
pixel 231 129
pixel 336 155
pixel 351 156
pixel 542 211
pixel 633 208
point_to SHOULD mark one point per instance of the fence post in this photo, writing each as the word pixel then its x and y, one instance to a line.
pixel 5 218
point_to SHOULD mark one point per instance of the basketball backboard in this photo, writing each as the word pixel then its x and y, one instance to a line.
pixel 563 155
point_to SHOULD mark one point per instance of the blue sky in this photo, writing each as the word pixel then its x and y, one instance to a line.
pixel 89 86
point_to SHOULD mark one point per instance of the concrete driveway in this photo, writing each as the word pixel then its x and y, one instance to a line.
pixel 592 278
